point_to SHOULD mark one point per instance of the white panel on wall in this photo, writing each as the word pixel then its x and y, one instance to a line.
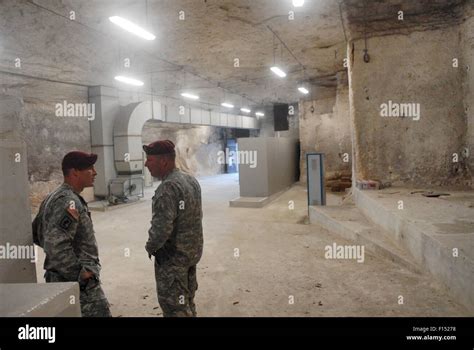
pixel 164 112
pixel 223 119
pixel 215 118
pixel 238 121
pixel 246 122
pixel 231 120
pixel 186 118
pixel 173 114
pixel 200 116
pixel 206 117
pixel 253 123
pixel 196 116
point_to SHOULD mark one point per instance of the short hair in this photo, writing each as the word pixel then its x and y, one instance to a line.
pixel 171 156
pixel 67 171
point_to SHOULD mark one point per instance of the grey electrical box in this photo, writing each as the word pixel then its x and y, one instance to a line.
pixel 315 176
pixel 124 189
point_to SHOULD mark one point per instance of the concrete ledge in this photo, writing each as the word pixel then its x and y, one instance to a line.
pixel 40 300
pixel 349 223
pixel 254 202
pixel 427 229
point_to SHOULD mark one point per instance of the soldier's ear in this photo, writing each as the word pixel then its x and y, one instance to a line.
pixel 74 172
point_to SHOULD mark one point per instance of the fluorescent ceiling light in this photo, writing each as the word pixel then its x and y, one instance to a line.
pixel 278 71
pixel 129 81
pixel 191 96
pixel 131 27
pixel 245 110
pixel 260 114
pixel 298 3
pixel 303 90
pixel 228 105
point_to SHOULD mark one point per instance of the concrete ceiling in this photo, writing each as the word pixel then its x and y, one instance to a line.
pixel 196 54
pixel 381 17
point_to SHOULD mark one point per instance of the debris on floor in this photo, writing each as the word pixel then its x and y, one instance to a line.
pixel 430 193
pixel 434 194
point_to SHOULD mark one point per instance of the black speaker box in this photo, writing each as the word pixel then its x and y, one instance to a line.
pixel 280 117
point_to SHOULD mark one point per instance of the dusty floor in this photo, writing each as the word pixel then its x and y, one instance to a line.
pixel 281 259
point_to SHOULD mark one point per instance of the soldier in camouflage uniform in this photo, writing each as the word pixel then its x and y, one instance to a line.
pixel 175 236
pixel 63 228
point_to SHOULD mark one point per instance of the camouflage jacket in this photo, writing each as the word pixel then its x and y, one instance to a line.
pixel 176 226
pixel 63 228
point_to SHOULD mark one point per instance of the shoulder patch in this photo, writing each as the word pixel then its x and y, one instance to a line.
pixel 69 217
pixel 74 213
pixel 65 222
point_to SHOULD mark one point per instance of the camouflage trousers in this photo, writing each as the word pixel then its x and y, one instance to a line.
pixel 176 287
pixel 92 297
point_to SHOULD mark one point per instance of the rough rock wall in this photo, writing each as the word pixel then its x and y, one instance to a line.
pixel 415 69
pixel 197 147
pixel 325 127
pixel 48 137
pixel 467 67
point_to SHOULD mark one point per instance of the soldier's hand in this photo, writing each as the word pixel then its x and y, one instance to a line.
pixel 149 256
pixel 85 275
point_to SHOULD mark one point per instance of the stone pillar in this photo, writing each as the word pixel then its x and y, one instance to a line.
pixel 102 135
pixel 17 254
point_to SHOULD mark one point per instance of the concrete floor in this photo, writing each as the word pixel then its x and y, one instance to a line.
pixel 280 258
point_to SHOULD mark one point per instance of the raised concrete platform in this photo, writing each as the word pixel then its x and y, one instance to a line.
pixel 437 232
pixel 40 300
pixel 349 222
pixel 254 202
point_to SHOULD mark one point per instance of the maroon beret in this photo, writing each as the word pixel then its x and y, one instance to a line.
pixel 78 160
pixel 159 147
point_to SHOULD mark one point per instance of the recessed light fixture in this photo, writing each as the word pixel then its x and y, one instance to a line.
pixel 298 3
pixel 303 90
pixel 131 27
pixel 227 105
pixel 260 114
pixel 128 80
pixel 278 71
pixel 191 96
pixel 245 110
